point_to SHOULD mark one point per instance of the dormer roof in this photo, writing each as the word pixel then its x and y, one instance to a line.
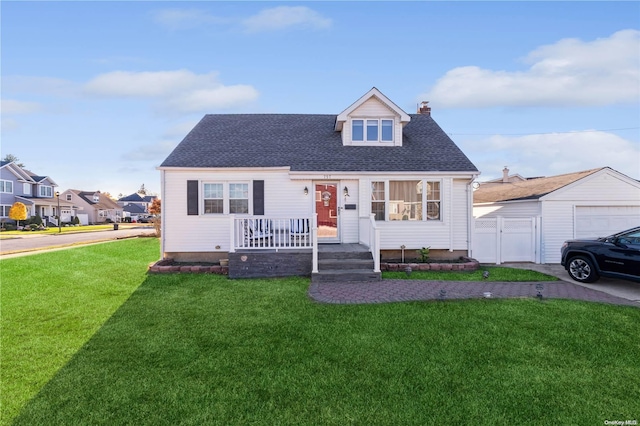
pixel 376 94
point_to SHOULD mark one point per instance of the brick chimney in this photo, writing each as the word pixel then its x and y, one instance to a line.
pixel 505 175
pixel 424 108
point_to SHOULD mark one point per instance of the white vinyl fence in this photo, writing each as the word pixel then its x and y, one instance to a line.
pixel 500 239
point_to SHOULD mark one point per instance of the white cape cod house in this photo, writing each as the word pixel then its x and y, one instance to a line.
pixel 271 191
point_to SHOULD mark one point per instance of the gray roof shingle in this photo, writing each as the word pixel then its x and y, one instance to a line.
pixel 310 143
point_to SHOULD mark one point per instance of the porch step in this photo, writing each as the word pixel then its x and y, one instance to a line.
pixel 345 263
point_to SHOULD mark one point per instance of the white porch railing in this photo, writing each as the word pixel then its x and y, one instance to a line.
pixel 272 233
pixel 370 236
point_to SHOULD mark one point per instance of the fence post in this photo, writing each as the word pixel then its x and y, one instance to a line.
pixel 314 241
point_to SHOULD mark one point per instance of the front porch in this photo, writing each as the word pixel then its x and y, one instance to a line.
pixel 276 246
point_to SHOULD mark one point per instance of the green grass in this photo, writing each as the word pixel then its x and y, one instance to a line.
pixel 496 273
pixel 52 303
pixel 201 349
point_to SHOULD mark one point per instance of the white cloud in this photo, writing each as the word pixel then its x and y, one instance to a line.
pixel 222 97
pixel 181 90
pixel 552 154
pixel 570 72
pixel 284 17
pixel 180 19
pixel 11 106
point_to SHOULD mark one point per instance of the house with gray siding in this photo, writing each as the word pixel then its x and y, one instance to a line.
pixel 241 186
pixel 37 193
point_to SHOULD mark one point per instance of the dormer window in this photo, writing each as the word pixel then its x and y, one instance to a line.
pixel 373 120
pixel 376 130
pixel 96 198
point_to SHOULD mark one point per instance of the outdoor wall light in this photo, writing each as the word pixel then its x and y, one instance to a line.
pixel 346 191
pixel 306 191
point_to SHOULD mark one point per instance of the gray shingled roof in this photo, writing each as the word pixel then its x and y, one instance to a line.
pixel 310 143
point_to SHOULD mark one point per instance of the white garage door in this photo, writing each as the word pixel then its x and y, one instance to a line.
pixel 600 221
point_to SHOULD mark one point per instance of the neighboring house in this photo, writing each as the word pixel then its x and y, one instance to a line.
pixel 141 201
pixel 134 211
pixel 536 215
pixel 93 206
pixel 38 193
pixel 372 175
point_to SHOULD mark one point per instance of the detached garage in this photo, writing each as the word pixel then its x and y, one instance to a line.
pixel 591 203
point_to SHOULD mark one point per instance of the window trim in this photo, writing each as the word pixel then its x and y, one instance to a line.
pixel 45 191
pixel 226 196
pixel 425 199
pixel 3 188
pixel 379 127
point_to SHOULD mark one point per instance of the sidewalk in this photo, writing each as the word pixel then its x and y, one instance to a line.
pixel 387 291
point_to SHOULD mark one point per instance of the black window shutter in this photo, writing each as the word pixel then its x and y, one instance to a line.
pixel 192 197
pixel 258 197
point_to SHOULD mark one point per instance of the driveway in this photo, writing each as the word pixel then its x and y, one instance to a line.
pixel 620 288
pixel 28 243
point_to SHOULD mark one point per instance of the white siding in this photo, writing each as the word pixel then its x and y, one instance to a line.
pixel 202 233
pixel 557 227
pixel 604 186
pixel 460 215
pixel 349 218
pixel 602 189
pixel 508 209
pixel 451 233
pixel 373 108
pixel 285 197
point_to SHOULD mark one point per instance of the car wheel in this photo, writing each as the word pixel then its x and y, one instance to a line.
pixel 582 269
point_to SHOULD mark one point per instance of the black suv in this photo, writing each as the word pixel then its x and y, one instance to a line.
pixel 616 256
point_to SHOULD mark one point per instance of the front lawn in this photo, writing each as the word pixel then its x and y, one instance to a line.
pixel 202 349
pixel 52 303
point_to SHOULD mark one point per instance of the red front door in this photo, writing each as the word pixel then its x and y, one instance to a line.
pixel 327 210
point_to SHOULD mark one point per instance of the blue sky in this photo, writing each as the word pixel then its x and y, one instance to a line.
pixel 96 94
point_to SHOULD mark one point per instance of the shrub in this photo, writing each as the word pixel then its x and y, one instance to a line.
pixel 76 220
pixel 36 220
pixel 424 254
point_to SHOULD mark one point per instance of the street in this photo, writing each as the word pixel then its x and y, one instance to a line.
pixel 28 243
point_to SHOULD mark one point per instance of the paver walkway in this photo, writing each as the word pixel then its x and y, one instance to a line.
pixel 386 291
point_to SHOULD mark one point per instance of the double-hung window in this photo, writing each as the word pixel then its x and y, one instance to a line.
pixel 6 186
pixel 377 200
pixel 45 191
pixel 220 198
pixel 239 198
pixel 213 198
pixel 433 200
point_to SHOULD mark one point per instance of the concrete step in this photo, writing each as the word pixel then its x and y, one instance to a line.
pixel 344 255
pixel 340 275
pixel 345 264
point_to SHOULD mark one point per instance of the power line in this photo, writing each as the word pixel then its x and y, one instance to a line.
pixel 545 133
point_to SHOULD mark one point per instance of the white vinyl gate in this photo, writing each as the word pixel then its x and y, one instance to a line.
pixel 499 239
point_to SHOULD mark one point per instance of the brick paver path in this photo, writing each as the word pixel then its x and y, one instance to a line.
pixel 386 291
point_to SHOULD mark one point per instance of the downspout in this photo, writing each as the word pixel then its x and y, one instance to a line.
pixel 470 219
pixel 163 212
